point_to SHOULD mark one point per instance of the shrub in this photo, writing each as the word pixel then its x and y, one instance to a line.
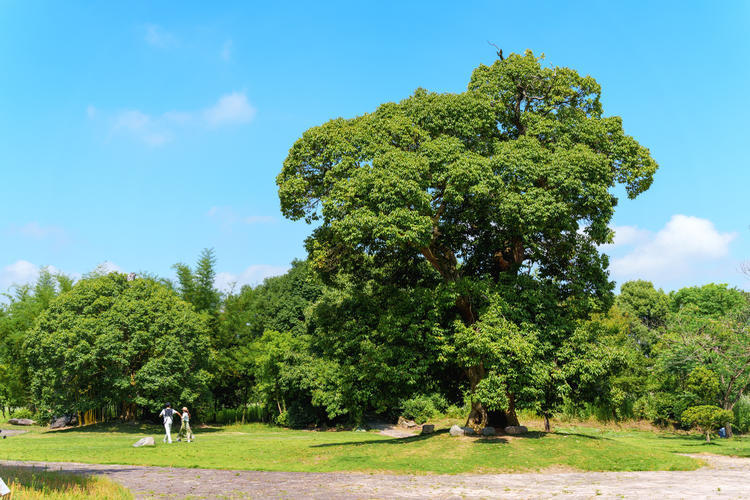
pixel 22 413
pixel 423 407
pixel 454 411
pixel 706 418
pixel 660 408
pixel 742 414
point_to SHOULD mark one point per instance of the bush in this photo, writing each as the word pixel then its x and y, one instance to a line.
pixel 454 411
pixel 22 413
pixel 423 407
pixel 660 408
pixel 742 414
pixel 706 418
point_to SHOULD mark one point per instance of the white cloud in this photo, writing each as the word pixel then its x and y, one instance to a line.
pixel 157 130
pixel 141 126
pixel 630 235
pixel 230 109
pixel 132 120
pixel 91 112
pixel 21 272
pixel 252 276
pixel 109 267
pixel 685 245
pixel 226 50
pixel 228 217
pixel 156 36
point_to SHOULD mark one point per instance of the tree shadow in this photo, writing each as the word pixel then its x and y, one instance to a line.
pixel 131 428
pixel 392 441
pixel 491 440
pixel 577 434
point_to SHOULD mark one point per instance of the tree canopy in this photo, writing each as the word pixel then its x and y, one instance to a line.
pixel 109 342
pixel 504 188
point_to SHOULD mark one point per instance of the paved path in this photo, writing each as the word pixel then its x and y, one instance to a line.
pixel 722 477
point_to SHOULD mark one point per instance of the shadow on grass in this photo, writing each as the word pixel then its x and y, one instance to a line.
pixel 577 434
pixel 127 428
pixel 403 440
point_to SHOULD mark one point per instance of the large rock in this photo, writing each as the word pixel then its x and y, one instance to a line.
pixel 428 429
pixel 456 431
pixel 488 431
pixel 147 441
pixel 60 422
pixel 468 431
pixel 409 424
pixel 21 421
pixel 516 429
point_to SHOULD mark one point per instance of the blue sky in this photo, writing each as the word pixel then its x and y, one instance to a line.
pixel 138 133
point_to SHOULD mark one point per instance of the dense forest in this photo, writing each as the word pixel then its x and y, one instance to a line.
pixel 296 352
pixel 454 265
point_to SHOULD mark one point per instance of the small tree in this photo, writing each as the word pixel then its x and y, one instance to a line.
pixel 706 418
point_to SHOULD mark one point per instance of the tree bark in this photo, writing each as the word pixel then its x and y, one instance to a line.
pixel 547 427
pixel 511 416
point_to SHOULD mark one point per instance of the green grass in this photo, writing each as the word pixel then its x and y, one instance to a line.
pixel 672 442
pixel 261 447
pixel 28 484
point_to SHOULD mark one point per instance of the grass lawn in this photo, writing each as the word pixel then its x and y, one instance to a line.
pixel 261 447
pixel 27 484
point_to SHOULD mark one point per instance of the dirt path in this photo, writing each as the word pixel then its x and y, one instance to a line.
pixel 5 432
pixel 722 477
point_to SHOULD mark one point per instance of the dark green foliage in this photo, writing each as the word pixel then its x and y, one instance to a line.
pixel 25 305
pixel 714 300
pixel 110 342
pixel 502 190
pixel 707 418
pixel 422 408
pixel 742 414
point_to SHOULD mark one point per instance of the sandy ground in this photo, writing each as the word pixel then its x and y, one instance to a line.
pixel 721 477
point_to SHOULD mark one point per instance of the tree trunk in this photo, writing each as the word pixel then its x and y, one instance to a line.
pixel 477 419
pixel 708 436
pixel 728 427
pixel 511 416
pixel 547 427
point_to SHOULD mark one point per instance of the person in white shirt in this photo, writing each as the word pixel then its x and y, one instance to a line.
pixel 168 414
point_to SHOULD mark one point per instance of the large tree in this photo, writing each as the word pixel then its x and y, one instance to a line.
pixel 110 346
pixel 503 189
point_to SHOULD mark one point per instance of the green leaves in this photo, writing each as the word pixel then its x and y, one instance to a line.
pixel 707 418
pixel 503 190
pixel 108 342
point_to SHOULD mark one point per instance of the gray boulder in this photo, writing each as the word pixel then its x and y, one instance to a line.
pixel 456 431
pixel 468 431
pixel 516 429
pixel 147 441
pixel 60 422
pixel 488 431
pixel 428 429
pixel 21 421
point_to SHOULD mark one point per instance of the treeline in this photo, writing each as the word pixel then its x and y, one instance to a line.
pixel 298 352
